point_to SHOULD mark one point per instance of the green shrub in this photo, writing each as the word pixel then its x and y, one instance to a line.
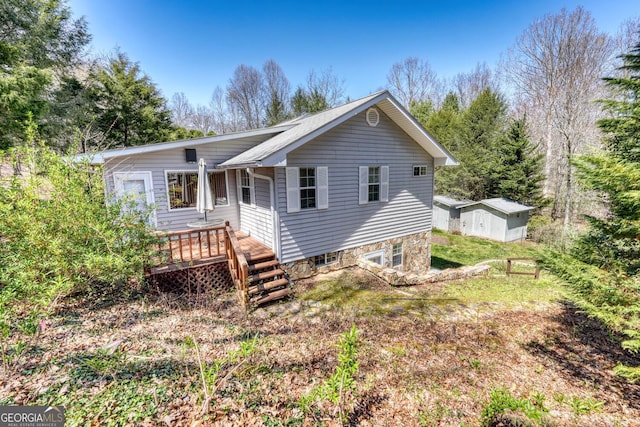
pixel 502 402
pixel 58 235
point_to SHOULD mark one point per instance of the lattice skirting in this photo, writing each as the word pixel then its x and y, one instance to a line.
pixel 197 283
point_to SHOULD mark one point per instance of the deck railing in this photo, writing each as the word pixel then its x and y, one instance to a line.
pixel 191 245
pixel 237 264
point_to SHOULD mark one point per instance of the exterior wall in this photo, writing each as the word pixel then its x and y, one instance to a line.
pixel 416 253
pixel 440 217
pixel 159 162
pixel 446 218
pixel 257 220
pixel 482 221
pixel 347 224
pixel 517 227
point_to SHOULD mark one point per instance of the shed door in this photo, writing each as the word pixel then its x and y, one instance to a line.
pixel 136 187
pixel 481 223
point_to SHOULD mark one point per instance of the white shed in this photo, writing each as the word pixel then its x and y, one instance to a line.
pixel 497 219
pixel 446 213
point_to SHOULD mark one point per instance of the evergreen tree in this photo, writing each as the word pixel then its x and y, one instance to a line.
pixel 40 44
pixel 472 137
pixel 130 110
pixel 604 272
pixel 518 174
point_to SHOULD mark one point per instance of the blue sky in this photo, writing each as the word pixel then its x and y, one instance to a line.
pixel 193 46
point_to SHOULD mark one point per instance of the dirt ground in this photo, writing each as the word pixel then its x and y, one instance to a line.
pixel 154 361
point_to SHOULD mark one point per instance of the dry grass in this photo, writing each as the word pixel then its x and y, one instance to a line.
pixel 416 366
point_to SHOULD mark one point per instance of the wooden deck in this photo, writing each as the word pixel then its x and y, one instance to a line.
pixel 195 247
pixel 189 261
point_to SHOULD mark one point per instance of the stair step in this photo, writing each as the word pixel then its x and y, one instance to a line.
pixel 257 258
pixel 266 275
pixel 273 296
pixel 264 265
pixel 267 286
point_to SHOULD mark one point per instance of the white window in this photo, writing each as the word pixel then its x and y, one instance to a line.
pixel 245 185
pixel 420 170
pixel 374 184
pixel 326 259
pixel 182 188
pixel 307 188
pixel 375 257
pixel 396 255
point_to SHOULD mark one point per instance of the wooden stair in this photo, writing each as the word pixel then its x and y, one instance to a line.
pixel 267 281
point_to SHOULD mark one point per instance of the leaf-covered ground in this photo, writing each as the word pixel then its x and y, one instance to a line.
pixel 150 361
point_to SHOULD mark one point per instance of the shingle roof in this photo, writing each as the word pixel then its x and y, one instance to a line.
pixel 503 205
pixel 451 202
pixel 273 151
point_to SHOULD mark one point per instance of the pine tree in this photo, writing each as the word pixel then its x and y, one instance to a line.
pixel 604 272
pixel 518 175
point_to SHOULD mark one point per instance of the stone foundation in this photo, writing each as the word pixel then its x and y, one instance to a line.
pixel 416 257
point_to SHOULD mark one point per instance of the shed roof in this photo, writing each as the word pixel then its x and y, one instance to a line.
pixel 503 205
pixel 449 201
pixel 273 151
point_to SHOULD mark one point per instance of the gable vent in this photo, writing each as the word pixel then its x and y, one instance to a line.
pixel 373 117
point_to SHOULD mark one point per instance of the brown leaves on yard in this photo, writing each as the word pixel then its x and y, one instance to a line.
pixel 413 370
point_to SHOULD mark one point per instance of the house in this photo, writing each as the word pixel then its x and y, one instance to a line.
pixel 497 219
pixel 321 190
pixel 446 213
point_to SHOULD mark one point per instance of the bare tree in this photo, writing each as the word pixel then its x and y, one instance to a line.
pixel 203 119
pixel 326 85
pixel 469 85
pixel 556 68
pixel 278 92
pixel 245 93
pixel 181 110
pixel 412 80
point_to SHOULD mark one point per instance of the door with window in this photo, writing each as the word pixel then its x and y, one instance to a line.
pixel 137 189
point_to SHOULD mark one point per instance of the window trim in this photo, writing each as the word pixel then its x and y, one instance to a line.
pixel 189 171
pixel 314 187
pixel 380 253
pixel 426 170
pixel 363 181
pixel 393 255
pixel 325 256
pixel 292 185
pixel 251 187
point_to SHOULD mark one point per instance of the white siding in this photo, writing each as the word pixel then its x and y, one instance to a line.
pixel 161 161
pixel 346 223
pixel 256 220
pixel 482 221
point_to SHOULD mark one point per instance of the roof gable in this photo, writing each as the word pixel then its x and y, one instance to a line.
pixel 273 152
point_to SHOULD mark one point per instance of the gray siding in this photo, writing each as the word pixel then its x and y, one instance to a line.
pixel 256 220
pixel 159 162
pixel 346 223
pixel 482 221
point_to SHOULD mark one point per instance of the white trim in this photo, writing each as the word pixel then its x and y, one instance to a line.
pixel 166 187
pixel 184 143
pixel 401 254
pixel 252 190
pixel 292 178
pixel 363 193
pixel 368 256
pixel 147 178
pixel 322 187
pixel 373 117
pixel 384 183
pixel 426 172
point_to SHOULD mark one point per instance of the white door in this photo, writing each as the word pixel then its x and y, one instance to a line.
pixel 138 187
